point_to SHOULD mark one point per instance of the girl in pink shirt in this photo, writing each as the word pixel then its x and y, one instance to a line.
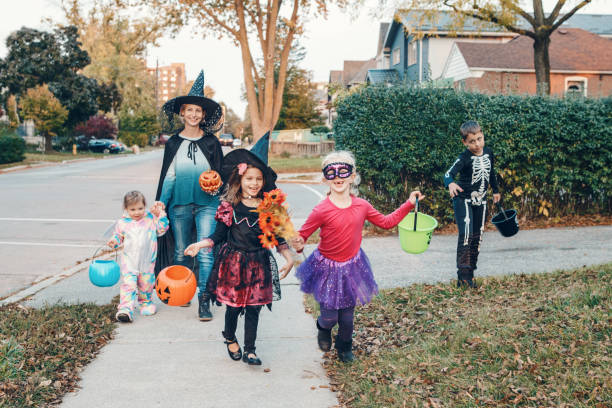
pixel 338 272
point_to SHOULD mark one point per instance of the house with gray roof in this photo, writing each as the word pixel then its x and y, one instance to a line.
pixel 418 42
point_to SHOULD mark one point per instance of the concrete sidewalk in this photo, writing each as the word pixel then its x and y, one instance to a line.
pixel 172 359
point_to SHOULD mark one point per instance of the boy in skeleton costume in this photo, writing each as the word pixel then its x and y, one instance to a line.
pixel 475 167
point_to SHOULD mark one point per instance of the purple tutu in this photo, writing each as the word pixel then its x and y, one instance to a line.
pixel 338 285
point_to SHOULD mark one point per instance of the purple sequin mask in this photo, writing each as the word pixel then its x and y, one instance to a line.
pixel 333 170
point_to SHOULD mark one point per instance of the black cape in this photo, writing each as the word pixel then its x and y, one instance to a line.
pixel 210 146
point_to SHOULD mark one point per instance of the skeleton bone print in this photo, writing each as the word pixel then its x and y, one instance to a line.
pixel 481 169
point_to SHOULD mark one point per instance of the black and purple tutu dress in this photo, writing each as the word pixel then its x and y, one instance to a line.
pixel 338 285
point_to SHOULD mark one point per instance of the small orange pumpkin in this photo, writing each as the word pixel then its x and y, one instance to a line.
pixel 175 285
pixel 210 181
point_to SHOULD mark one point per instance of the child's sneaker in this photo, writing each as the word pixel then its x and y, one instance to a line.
pixel 123 316
pixel 148 309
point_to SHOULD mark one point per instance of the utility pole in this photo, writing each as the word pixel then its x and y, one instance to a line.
pixel 156 83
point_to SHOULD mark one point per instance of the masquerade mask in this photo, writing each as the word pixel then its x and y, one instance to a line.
pixel 333 170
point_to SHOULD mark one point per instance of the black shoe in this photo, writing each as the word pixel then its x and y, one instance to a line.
pixel 204 307
pixel 324 338
pixel 251 360
pixel 234 355
pixel 186 304
pixel 345 353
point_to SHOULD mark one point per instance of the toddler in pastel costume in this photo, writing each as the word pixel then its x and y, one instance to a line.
pixel 138 232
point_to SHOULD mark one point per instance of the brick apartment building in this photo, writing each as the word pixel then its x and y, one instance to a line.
pixel 171 81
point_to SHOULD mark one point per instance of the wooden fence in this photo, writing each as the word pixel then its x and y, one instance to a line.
pixel 302 148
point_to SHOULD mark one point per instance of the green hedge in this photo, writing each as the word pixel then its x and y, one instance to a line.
pixel 12 149
pixel 553 156
pixel 134 138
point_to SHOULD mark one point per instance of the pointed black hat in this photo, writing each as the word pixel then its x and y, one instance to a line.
pixel 257 157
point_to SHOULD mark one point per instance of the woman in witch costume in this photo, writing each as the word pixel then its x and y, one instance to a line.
pixel 245 276
pixel 191 151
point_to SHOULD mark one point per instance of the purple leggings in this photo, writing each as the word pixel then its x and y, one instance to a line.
pixel 344 318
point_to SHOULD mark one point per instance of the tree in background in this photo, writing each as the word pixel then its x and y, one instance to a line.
pixel 259 28
pixel 48 114
pixel 508 14
pixel 54 58
pixel 117 41
pixel 298 110
pixel 232 123
pixel 11 111
pixel 109 97
pixel 79 94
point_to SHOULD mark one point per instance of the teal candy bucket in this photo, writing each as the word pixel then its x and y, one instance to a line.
pixel 104 273
pixel 415 235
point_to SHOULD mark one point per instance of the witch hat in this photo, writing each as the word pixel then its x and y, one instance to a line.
pixel 256 157
pixel 212 110
pixel 260 149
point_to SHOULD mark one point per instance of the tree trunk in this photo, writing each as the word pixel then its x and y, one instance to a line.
pixel 542 63
pixel 48 143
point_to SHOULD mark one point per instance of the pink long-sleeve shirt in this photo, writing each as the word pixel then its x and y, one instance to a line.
pixel 341 227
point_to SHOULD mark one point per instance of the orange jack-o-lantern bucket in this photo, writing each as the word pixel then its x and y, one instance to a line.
pixel 175 285
pixel 210 181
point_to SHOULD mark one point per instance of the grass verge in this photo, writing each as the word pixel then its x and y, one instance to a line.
pixel 55 157
pixel 541 340
pixel 295 164
pixel 43 350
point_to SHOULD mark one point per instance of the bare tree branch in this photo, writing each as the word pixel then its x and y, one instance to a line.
pixel 553 15
pixel 571 13
pixel 491 18
pixel 212 15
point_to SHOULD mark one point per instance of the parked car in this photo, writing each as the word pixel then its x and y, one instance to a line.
pixel 163 138
pixel 226 139
pixel 237 143
pixel 106 146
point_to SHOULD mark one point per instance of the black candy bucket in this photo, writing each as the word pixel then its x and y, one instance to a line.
pixel 506 221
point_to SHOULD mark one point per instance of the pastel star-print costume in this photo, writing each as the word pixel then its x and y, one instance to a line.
pixel 137 261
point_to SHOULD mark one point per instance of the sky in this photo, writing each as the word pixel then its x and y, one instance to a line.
pixel 342 36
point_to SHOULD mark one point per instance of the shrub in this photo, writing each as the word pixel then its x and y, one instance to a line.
pixel 12 149
pixel 131 138
pixel 320 129
pixel 552 155
pixel 98 126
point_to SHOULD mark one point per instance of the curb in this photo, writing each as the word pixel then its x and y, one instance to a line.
pixel 41 165
pixel 46 282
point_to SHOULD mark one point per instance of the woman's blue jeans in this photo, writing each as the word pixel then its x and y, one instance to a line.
pixel 182 220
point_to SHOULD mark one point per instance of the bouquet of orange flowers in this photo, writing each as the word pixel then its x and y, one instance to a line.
pixel 274 219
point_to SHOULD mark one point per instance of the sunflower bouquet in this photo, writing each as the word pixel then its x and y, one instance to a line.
pixel 274 219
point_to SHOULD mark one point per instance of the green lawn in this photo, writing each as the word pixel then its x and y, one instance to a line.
pixel 55 157
pixel 542 340
pixel 42 351
pixel 295 164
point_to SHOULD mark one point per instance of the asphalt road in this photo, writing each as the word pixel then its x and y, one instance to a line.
pixel 54 217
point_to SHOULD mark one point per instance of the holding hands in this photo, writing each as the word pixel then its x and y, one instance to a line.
pixel 157 209
pixel 297 243
pixel 192 250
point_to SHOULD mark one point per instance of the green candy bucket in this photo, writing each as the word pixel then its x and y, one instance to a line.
pixel 415 231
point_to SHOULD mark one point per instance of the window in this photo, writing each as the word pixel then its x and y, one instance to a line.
pixel 575 86
pixel 412 52
pixel 396 56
